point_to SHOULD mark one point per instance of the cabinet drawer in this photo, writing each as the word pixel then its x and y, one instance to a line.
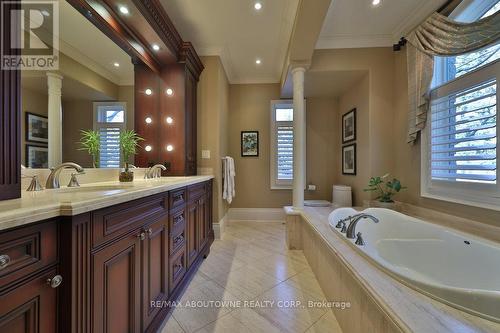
pixel 177 240
pixel 27 250
pixel 177 220
pixel 31 307
pixel 112 222
pixel 177 268
pixel 177 198
pixel 196 191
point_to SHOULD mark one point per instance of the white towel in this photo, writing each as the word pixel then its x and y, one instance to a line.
pixel 229 173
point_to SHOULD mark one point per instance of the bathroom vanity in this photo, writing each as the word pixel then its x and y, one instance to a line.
pixel 109 260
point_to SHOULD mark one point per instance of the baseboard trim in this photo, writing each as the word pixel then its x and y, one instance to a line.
pixel 256 214
pixel 219 227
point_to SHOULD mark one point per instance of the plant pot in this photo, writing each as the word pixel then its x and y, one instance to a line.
pixel 126 176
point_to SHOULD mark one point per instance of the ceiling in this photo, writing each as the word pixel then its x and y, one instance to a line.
pixel 71 89
pixel 235 31
pixel 82 41
pixel 330 83
pixel 357 23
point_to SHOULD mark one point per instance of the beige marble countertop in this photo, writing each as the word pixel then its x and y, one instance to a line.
pixel 37 206
pixel 411 310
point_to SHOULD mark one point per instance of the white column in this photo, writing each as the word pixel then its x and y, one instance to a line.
pixel 54 82
pixel 299 122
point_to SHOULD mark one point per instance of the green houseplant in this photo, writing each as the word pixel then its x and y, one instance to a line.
pixel 385 188
pixel 90 141
pixel 129 142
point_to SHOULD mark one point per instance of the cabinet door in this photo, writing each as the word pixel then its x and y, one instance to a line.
pixel 202 222
pixel 192 232
pixel 116 302
pixel 30 308
pixel 155 269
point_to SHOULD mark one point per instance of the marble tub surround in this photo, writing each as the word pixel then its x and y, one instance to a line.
pixel 37 206
pixel 379 302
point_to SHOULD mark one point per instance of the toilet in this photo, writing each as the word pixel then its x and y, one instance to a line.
pixel 342 196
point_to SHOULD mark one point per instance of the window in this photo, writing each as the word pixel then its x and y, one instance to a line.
pixel 281 144
pixel 459 144
pixel 109 121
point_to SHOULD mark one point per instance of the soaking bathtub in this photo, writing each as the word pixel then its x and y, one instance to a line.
pixel 458 269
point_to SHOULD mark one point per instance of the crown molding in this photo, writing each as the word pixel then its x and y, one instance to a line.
pixel 421 12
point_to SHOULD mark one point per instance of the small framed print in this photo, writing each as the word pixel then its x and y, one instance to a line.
pixel 37 128
pixel 37 157
pixel 249 143
pixel 349 126
pixel 349 159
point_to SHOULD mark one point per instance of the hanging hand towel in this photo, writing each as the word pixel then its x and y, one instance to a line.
pixel 229 173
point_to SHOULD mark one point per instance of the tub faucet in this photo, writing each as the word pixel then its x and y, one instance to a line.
pixel 53 179
pixel 351 230
pixel 154 171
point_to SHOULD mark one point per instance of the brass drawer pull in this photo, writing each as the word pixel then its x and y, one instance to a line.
pixel 4 261
pixel 150 231
pixel 142 236
pixel 55 281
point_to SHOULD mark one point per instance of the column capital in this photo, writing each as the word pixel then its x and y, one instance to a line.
pixel 51 75
pixel 300 69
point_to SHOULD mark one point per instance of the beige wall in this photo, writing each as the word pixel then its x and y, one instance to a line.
pixel 77 115
pixel 356 97
pixel 33 102
pixel 249 106
pixel 213 108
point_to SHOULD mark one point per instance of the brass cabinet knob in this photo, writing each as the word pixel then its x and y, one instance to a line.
pixel 4 261
pixel 142 236
pixel 55 281
pixel 150 231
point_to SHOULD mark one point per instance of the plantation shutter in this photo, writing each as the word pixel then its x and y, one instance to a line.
pixel 284 152
pixel 464 135
pixel 110 147
pixel 109 121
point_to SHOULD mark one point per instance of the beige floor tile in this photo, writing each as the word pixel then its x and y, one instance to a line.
pixel 246 283
pixel 241 321
pixel 280 266
pixel 197 309
pixel 307 282
pixel 219 263
pixel 326 324
pixel 172 326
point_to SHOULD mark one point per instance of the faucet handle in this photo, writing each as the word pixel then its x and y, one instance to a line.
pixel 34 185
pixel 344 228
pixel 359 240
pixel 74 181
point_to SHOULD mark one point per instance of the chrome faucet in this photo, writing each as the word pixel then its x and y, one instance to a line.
pixel 154 171
pixel 53 179
pixel 351 230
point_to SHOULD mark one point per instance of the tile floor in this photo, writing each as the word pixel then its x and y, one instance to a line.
pixel 248 283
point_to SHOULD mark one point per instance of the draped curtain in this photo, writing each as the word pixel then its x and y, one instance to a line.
pixel 440 36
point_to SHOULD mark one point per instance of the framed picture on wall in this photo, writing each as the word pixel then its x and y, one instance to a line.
pixel 349 159
pixel 249 143
pixel 37 128
pixel 349 126
pixel 37 157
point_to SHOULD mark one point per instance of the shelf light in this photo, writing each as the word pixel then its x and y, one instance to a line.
pixel 170 120
pixel 170 147
pixel 148 92
pixel 148 120
pixel 148 148
pixel 169 91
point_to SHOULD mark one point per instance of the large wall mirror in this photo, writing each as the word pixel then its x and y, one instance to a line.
pixel 93 90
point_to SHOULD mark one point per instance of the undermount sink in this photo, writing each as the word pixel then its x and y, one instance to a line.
pixel 96 188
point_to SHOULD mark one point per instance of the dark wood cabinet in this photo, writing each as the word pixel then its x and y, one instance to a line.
pixel 30 307
pixel 192 232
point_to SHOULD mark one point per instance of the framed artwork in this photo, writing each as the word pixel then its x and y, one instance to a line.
pixel 349 126
pixel 37 157
pixel 37 128
pixel 249 143
pixel 349 159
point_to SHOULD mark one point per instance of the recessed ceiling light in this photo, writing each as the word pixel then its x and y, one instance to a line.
pixel 376 2
pixel 170 148
pixel 45 13
pixel 148 148
pixel 149 120
pixel 169 91
pixel 124 10
pixel 258 61
pixel 257 6
pixel 148 91
pixel 156 47
pixel 169 120
pixel 116 64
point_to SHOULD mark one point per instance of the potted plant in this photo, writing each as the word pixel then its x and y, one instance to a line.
pixel 386 190
pixel 91 142
pixel 129 142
